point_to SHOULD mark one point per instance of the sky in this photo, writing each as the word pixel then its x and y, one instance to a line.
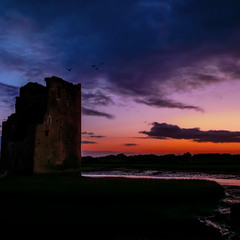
pixel 158 76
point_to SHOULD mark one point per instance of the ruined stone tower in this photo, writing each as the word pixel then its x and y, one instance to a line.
pixel 45 130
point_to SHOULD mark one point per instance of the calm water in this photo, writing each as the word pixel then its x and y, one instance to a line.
pixel 222 179
pixel 218 219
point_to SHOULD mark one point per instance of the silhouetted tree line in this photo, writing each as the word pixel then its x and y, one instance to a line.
pixel 186 158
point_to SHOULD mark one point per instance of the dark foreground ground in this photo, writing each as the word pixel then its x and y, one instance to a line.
pixel 111 208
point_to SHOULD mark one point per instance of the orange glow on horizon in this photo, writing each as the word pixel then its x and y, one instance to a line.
pixel 157 146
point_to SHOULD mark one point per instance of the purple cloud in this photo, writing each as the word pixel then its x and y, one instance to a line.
pixel 166 103
pixel 90 112
pixel 168 131
pixel 96 98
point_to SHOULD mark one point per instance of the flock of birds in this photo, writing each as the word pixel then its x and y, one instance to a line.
pixel 95 66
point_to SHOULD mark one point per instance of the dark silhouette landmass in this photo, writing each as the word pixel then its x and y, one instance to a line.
pixel 111 208
pixel 225 163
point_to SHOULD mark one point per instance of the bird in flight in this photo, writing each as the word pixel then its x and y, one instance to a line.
pixel 69 69
pixel 96 66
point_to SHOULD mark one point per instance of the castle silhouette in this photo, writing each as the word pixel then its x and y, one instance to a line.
pixel 45 130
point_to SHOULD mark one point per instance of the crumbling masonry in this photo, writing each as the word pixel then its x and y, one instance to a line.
pixel 45 130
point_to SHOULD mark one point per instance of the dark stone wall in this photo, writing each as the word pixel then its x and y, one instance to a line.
pixel 59 137
pixel 45 128
pixel 18 132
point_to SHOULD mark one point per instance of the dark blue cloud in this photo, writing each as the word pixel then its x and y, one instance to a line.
pixel 7 95
pixel 144 44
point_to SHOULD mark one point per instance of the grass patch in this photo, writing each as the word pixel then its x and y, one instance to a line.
pixel 117 202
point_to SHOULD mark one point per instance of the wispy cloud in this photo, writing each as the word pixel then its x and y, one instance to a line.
pixel 97 136
pixel 7 95
pixel 91 112
pixel 88 142
pixel 130 144
pixel 168 131
pixel 166 104
pixel 96 98
pixel 92 135
pixel 87 133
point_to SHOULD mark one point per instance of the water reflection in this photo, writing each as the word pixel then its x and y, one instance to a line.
pixel 222 179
